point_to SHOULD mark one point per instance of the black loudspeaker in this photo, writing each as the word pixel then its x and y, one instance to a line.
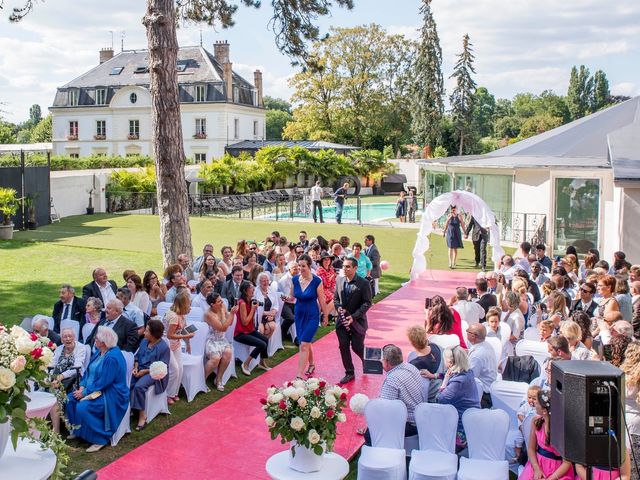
pixel 586 416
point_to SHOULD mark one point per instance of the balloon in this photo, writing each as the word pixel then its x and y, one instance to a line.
pixel 384 265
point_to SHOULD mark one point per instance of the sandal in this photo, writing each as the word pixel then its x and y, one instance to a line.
pixel 361 431
pixel 310 370
pixel 139 428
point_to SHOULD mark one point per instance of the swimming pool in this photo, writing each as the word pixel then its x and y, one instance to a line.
pixel 369 212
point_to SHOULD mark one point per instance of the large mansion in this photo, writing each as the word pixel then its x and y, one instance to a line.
pixel 107 110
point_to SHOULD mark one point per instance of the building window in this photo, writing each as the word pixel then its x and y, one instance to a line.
pixel 577 212
pixel 200 93
pixel 73 130
pixel 236 128
pixel 73 97
pixel 236 94
pixel 201 128
pixel 133 98
pixel 134 129
pixel 101 96
pixel 74 155
pixel 116 70
pixel 255 128
pixel 201 157
pixel 101 130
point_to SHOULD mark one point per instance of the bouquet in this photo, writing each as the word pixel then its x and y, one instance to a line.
pixel 306 412
pixel 158 370
pixel 358 402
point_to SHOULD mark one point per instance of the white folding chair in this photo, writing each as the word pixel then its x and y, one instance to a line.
pixel 531 333
pixel 87 328
pixel 195 315
pixel 445 341
pixel 464 325
pixel 486 432
pixel 538 350
pixel 497 346
pixel 73 325
pixel 385 459
pixel 125 424
pixel 162 308
pixel 193 379
pixel 155 404
pixel 436 458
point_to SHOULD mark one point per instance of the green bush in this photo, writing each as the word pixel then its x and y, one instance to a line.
pixel 141 181
pixel 94 162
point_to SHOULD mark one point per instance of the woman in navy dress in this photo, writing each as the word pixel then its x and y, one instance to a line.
pixel 308 291
pixel 453 233
pixel 401 207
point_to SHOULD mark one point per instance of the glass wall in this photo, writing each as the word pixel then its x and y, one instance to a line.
pixel 577 213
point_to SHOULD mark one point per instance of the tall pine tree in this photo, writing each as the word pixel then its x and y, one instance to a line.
pixel 462 98
pixel 580 92
pixel 428 85
pixel 601 92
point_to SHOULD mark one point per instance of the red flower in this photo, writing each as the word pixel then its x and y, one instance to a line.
pixel 330 413
pixel 34 337
pixel 343 396
pixel 289 384
pixel 51 344
pixel 323 384
pixel 263 401
pixel 317 392
pixel 36 353
pixel 282 405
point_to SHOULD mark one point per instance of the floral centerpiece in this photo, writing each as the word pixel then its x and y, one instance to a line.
pixel 306 414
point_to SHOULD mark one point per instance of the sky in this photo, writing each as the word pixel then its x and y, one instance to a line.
pixel 520 45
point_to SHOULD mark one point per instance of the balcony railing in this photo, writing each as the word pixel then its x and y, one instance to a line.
pixel 99 137
pixel 133 136
pixel 72 137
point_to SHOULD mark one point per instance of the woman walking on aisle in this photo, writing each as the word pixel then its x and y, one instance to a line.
pixel 453 234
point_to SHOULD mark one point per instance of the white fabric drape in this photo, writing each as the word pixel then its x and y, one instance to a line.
pixel 471 204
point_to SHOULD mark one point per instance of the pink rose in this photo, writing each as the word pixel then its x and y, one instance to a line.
pixel 18 364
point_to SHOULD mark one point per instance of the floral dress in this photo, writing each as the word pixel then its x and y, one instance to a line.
pixel 328 278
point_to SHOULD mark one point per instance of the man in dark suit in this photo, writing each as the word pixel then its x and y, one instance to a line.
pixel 101 287
pixel 371 251
pixel 485 299
pixel 126 330
pixel 480 238
pixel 585 302
pixel 69 307
pixel 231 287
pixel 352 298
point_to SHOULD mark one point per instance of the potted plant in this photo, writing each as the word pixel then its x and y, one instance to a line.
pixel 8 207
pixel 30 206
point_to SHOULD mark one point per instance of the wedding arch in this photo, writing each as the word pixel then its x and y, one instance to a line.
pixel 471 204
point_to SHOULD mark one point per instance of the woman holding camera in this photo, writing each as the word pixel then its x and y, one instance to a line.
pixel 246 332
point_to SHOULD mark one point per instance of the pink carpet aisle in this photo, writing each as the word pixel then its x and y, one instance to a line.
pixel 229 439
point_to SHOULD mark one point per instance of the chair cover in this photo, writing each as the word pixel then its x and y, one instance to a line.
pixel 275 341
pixel 531 333
pixel 505 332
pixel 162 308
pixel 195 315
pixel 87 357
pixel 536 349
pixel 445 341
pixel 231 369
pixel 480 388
pixel 497 346
pixel 464 325
pixel 87 328
pixel 125 424
pixel 193 379
pixel 486 432
pixel 379 463
pixel 507 396
pixel 155 404
pixel 526 428
pixel 199 339
pixel 476 469
pixel 73 325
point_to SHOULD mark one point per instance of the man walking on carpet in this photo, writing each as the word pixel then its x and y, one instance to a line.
pixel 480 238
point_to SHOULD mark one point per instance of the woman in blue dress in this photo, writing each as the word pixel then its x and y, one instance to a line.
pixel 453 233
pixel 401 207
pixel 99 405
pixel 308 291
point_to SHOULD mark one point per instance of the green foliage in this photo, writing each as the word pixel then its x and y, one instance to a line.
pixel 507 127
pixel 276 121
pixel 488 144
pixel 84 163
pixel 35 114
pixel 8 204
pixel 580 92
pixel 271 103
pixel 6 133
pixel 601 93
pixel 141 181
pixel 440 152
pixel 483 112
pixel 539 124
pixel 42 132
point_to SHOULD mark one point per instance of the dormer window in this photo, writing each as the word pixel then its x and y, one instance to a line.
pixel 116 70
pixel 101 96
pixel 236 94
pixel 141 70
pixel 181 66
pixel 74 95
pixel 200 93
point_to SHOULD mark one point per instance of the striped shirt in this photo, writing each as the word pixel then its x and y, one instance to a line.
pixel 404 383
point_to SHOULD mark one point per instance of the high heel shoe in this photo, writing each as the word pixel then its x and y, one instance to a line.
pixel 310 370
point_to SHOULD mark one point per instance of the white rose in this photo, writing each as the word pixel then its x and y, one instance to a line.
pixel 277 397
pixel 315 412
pixel 7 378
pixel 312 384
pixel 270 421
pixel 47 356
pixel 302 402
pixel 271 390
pixel 330 401
pixel 300 391
pixel 291 393
pixel 342 417
pixel 336 391
pixel 313 437
pixel 18 364
pixel 24 344
pixel 297 423
pixel 299 384
pixel 17 332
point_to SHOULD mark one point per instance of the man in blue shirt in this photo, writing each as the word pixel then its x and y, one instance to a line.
pixel 339 195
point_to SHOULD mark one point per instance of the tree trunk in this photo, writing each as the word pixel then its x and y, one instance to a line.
pixel 461 149
pixel 166 126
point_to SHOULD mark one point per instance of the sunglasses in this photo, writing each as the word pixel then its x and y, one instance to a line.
pixel 585 290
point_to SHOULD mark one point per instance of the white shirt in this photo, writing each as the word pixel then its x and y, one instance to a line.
pixel 285 285
pixel 135 314
pixel 470 312
pixel 482 358
pixel 316 193
pixel 106 293
pixel 200 301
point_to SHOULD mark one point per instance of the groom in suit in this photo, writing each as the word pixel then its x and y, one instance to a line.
pixel 480 238
pixel 353 298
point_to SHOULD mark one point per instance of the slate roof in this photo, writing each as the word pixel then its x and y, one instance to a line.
pixel 309 145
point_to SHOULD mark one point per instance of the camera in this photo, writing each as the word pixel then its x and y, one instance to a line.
pixel 258 303
pixel 473 292
pixel 427 302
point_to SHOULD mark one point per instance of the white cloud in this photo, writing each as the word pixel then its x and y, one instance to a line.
pixel 625 88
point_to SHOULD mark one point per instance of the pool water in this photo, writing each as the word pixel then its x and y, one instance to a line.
pixel 369 212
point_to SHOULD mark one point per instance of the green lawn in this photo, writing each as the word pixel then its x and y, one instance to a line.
pixel 35 263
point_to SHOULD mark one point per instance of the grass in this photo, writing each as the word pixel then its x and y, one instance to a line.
pixel 35 263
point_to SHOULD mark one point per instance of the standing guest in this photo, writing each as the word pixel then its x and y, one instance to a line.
pixel 584 322
pixel 175 319
pixel 268 305
pixel 217 348
pixel 328 275
pixel 485 299
pixel 608 302
pixel 620 264
pixel 69 307
pixel 139 297
pixel 573 333
pixel 99 405
pixel 557 310
pixel 285 287
pixel 635 305
pixel 443 320
pixel 280 268
pixel 412 206
pixel 132 312
pixel 94 311
pixel 631 369
pixel 522 257
pixel 541 255
pixel 458 388
pixel 364 264
pixel 344 243
pixel 154 289
pixel 126 330
pixel 372 252
pixel 428 361
pixel 316 200
pixel 584 302
pixel 514 319
pixel 246 332
pixel 453 234
pixel 470 312
pixel 401 207
pixel 101 287
pixel 187 271
pixel 402 382
pixel 200 300
pixel 339 196
pixel 225 263
pixel 206 250
pixel 544 460
pixel 40 326
pixel 589 263
pixel 152 349
pixel 480 238
pixel 308 291
pixel 482 359
pixel 623 297
pixel 352 298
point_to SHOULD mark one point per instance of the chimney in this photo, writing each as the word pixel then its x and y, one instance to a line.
pixel 257 81
pixel 228 81
pixel 106 54
pixel 221 52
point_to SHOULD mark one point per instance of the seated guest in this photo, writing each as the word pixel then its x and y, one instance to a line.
pixel 268 311
pixel 584 322
pixel 246 332
pixel 458 388
pixel 402 382
pixel 485 299
pixel 623 296
pixel 544 380
pixel 200 300
pixel 132 312
pixel 482 359
pixel 139 297
pixel 428 360
pixel 537 274
pixel 573 333
pixel 608 302
pixel 231 288
pixel 168 275
pixel 93 311
pixel 585 302
pixel 68 360
pixel 470 312
pixel 546 330
pixel 217 348
pixel 69 307
pixel 206 250
pixel 154 289
pixel 442 320
pixel 493 323
pixel 175 319
pixel 40 326
pixel 209 266
pixel 101 287
pixel 187 271
pixel 253 275
pixel 125 329
pixel 152 349
pixel 558 347
pixel 178 281
pixel 101 402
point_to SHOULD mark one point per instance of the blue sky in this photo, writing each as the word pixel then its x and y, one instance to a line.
pixel 520 45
